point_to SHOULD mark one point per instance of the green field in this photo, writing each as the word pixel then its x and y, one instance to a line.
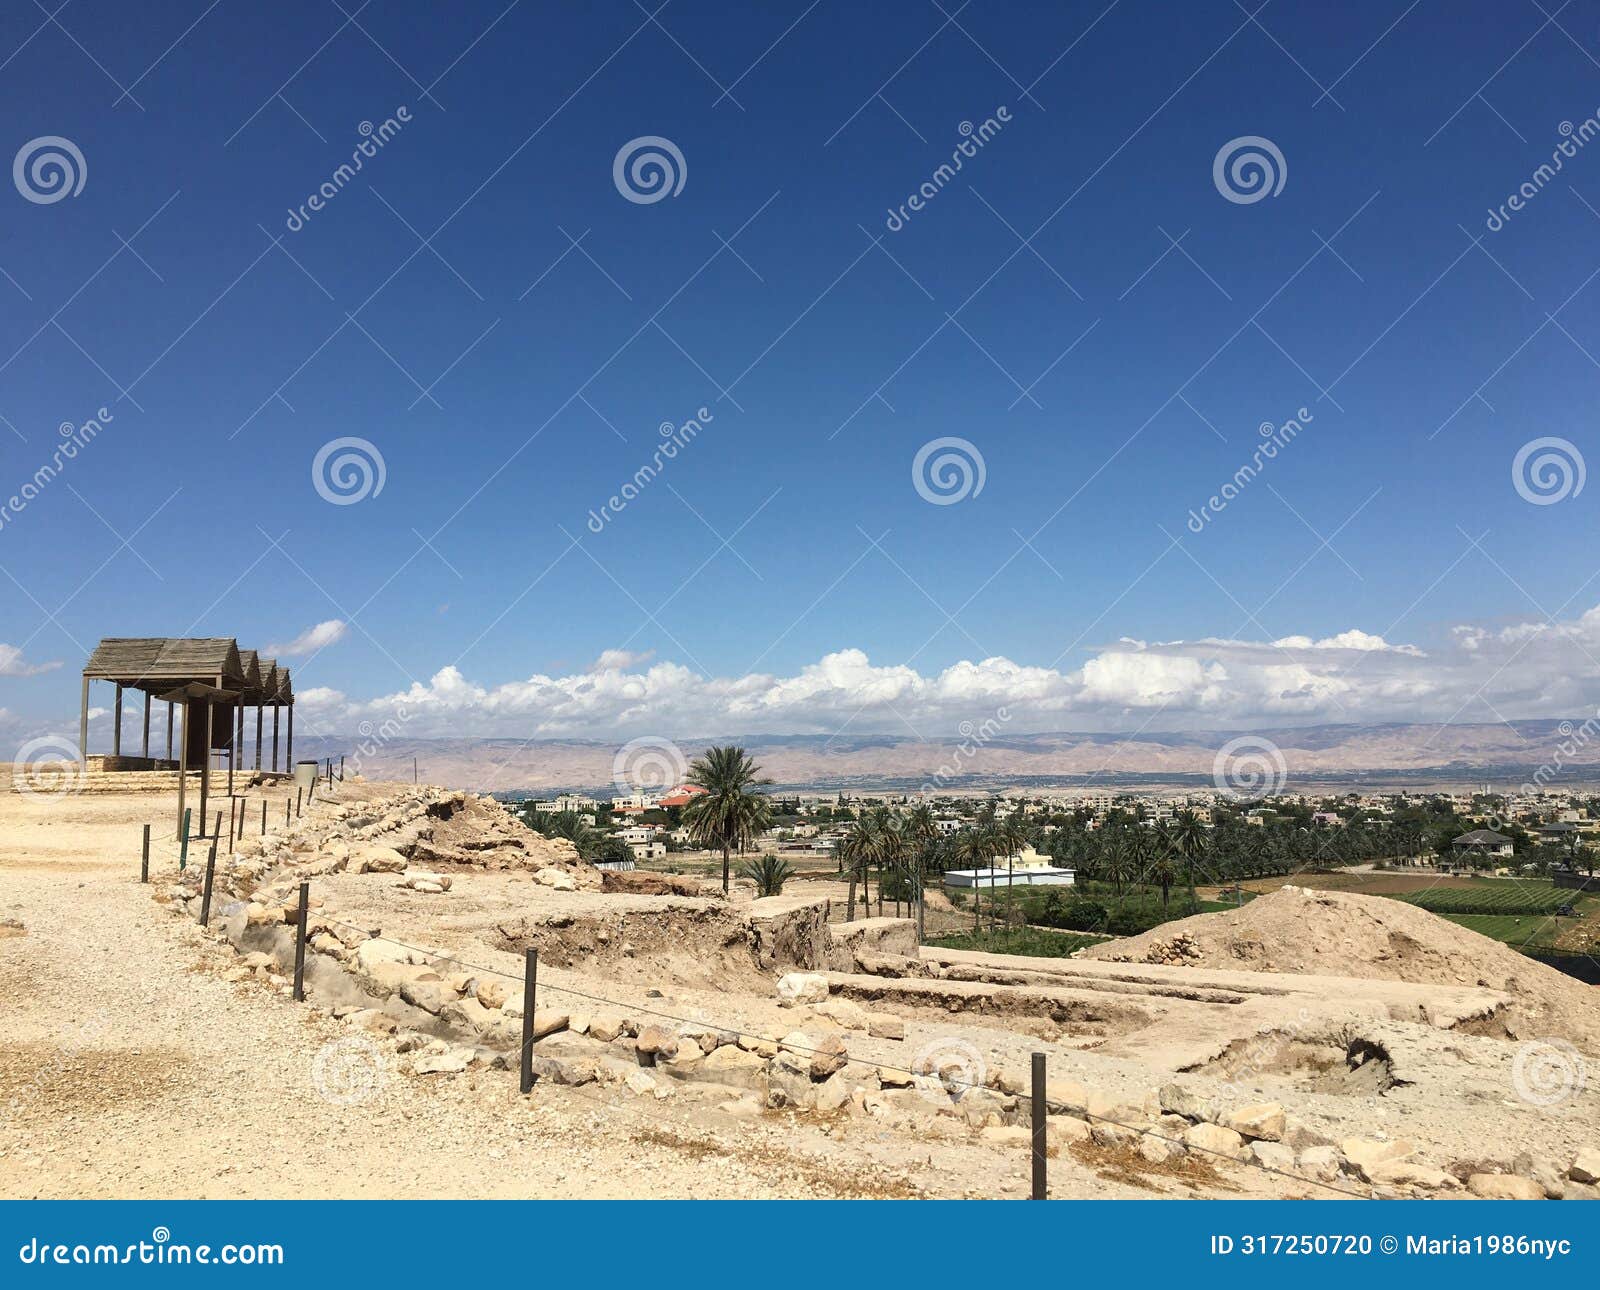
pixel 1036 941
pixel 1521 931
pixel 1493 896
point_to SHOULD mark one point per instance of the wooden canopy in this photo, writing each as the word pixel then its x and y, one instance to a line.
pixel 152 663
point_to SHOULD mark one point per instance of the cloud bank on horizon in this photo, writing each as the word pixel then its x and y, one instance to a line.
pixel 1480 674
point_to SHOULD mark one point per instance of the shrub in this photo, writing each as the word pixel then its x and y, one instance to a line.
pixel 767 872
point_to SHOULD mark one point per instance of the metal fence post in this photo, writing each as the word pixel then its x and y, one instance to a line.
pixel 233 820
pixel 205 899
pixel 300 944
pixel 530 980
pixel 144 859
pixel 1040 1114
pixel 297 795
pixel 183 851
pixel 263 816
pixel 216 829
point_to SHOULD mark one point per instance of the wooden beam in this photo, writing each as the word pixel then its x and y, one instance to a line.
pixel 116 730
pixel 83 722
pixel 146 753
pixel 183 761
pixel 169 730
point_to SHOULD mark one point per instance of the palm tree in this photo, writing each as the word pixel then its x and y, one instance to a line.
pixel 768 872
pixel 728 814
pixel 1189 837
pixel 973 849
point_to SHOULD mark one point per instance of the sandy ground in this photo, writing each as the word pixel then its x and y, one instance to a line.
pixel 131 1068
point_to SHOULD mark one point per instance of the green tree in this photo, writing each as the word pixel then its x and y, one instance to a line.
pixel 729 815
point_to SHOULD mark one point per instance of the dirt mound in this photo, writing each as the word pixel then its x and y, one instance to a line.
pixel 1326 933
pixel 465 829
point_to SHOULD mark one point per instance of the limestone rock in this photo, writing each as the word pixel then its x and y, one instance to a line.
pixel 1215 1139
pixel 655 1041
pixel 1320 1163
pixel 1412 1173
pixel 849 1014
pixel 1158 1148
pixel 1504 1187
pixel 802 987
pixel 1264 1120
pixel 452 1062
pixel 733 1066
pixel 1586 1167
pixel 882 1025
pixel 1273 1155
pixel 789 1082
pixel 1364 1154
pixel 371 858
pixel 1062 1131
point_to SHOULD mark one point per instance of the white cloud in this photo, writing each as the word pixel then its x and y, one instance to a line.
pixel 311 640
pixel 13 664
pixel 1352 676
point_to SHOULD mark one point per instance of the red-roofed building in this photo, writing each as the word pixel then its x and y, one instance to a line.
pixel 682 795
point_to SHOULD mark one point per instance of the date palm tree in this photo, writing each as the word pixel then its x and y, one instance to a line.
pixel 729 815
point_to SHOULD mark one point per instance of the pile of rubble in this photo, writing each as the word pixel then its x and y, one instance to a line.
pixel 1177 951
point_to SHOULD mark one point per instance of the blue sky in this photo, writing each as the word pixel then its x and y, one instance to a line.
pixel 1036 308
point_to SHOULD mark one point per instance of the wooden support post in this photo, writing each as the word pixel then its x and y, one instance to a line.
pixel 263 817
pixel 205 766
pixel 530 990
pixel 1040 1119
pixel 116 730
pixel 183 851
pixel 258 736
pixel 274 738
pixel 183 773
pixel 83 722
pixel 288 751
pixel 341 768
pixel 216 829
pixel 146 750
pixel 144 859
pixel 300 943
pixel 297 793
pixel 169 732
pixel 205 896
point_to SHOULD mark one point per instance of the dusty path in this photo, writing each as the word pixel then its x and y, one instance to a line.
pixel 131 1068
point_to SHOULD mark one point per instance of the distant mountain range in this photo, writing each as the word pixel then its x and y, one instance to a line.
pixel 1504 754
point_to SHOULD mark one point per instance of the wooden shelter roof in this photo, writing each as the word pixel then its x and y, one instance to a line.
pixel 155 663
pixel 250 665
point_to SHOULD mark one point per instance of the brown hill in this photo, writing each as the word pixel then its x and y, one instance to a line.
pixel 1325 933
